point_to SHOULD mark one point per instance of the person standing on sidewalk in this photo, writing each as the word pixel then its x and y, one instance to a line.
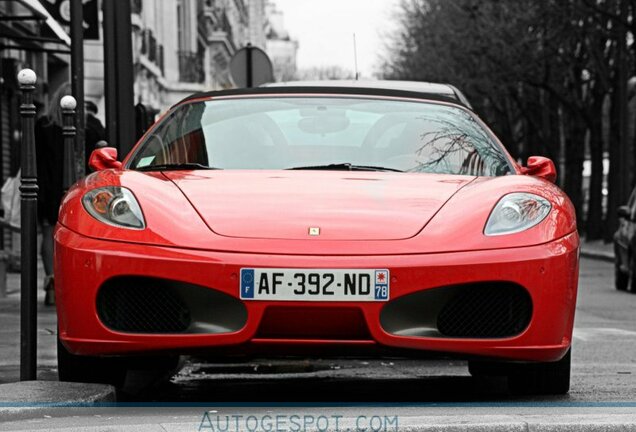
pixel 49 143
pixel 95 132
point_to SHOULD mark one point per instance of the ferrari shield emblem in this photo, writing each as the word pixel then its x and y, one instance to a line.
pixel 314 231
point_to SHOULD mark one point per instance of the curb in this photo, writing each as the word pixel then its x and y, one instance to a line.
pixel 28 396
pixel 597 255
pixel 541 424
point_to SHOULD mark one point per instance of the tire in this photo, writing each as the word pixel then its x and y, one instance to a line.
pixel 113 370
pixel 87 369
pixel 621 280
pixel 541 378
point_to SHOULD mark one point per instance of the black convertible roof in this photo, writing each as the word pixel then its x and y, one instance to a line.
pixel 407 89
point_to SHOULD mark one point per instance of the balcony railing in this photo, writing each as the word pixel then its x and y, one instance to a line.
pixel 214 24
pixel 225 26
pixel 152 49
pixel 191 67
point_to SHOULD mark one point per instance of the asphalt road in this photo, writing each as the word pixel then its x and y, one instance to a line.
pixel 604 371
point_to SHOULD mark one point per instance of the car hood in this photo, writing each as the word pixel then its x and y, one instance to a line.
pixel 343 205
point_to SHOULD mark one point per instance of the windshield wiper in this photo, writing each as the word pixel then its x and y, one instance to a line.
pixel 345 167
pixel 176 167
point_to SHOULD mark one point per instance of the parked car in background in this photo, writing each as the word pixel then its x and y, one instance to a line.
pixel 625 246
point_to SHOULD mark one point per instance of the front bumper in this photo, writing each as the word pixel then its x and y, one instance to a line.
pixel 548 272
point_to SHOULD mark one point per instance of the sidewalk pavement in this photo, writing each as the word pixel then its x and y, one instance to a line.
pixel 10 333
pixel 597 249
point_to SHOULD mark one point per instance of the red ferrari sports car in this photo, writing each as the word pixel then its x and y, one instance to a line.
pixel 318 220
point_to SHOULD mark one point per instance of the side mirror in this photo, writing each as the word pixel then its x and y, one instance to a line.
pixel 623 212
pixel 542 167
pixel 104 158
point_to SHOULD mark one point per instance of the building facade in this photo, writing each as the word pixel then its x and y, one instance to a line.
pixel 280 47
pixel 181 47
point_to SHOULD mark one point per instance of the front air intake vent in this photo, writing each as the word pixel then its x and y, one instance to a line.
pixel 486 311
pixel 143 306
pixel 483 310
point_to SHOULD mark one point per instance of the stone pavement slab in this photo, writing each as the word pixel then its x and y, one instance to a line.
pixel 53 392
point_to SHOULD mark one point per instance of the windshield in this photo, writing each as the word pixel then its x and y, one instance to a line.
pixel 321 133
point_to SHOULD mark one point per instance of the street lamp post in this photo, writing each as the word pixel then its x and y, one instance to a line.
pixel 28 226
pixel 68 105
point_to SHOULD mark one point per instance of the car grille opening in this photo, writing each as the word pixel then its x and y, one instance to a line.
pixel 483 310
pixel 136 304
pixel 142 308
pixel 494 311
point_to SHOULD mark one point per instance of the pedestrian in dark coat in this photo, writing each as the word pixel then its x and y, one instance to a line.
pixel 95 131
pixel 49 144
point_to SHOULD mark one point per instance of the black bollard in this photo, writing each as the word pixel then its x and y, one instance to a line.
pixel 68 105
pixel 28 221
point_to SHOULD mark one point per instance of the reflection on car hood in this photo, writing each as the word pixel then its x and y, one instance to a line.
pixel 343 205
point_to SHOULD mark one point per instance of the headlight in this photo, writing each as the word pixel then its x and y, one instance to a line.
pixel 114 205
pixel 517 212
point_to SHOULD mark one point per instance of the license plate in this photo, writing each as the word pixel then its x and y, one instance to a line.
pixel 314 285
